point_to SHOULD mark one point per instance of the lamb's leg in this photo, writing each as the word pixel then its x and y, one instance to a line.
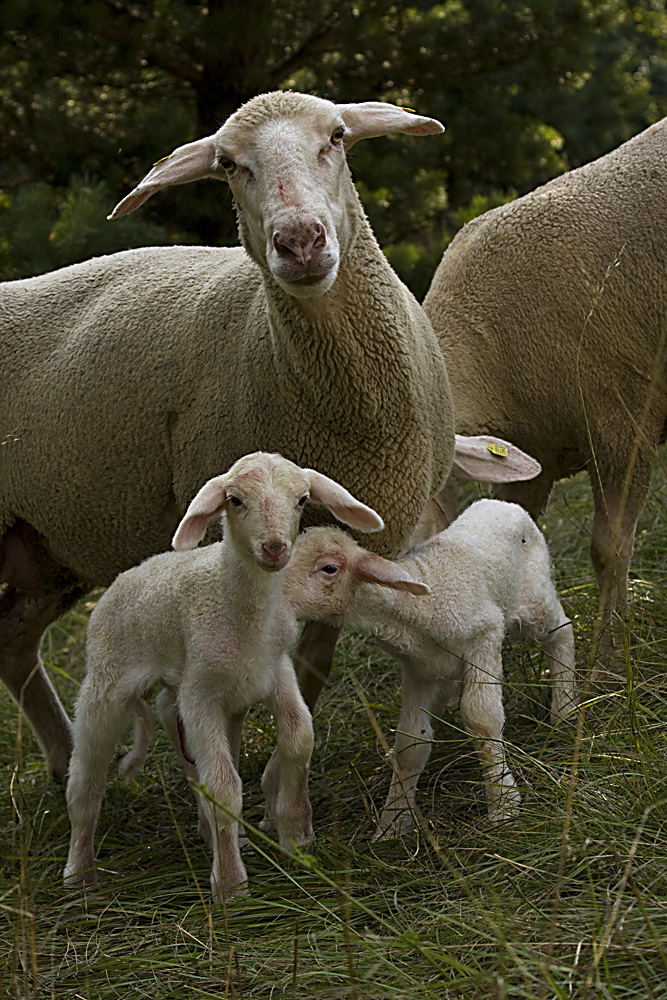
pixel 22 623
pixel 207 727
pixel 313 659
pixel 412 749
pixel 558 648
pixel 483 715
pixel 167 712
pixel 286 787
pixel 100 718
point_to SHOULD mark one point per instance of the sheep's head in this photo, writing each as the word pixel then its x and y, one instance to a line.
pixel 326 569
pixel 283 155
pixel 261 499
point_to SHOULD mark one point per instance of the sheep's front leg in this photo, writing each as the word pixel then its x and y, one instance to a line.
pixel 208 736
pixel 483 716
pixel 100 718
pixel 285 780
pixel 412 749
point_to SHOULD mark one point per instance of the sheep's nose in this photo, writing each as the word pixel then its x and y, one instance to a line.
pixel 274 550
pixel 301 240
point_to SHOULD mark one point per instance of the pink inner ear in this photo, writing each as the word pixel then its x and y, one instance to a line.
pixel 375 569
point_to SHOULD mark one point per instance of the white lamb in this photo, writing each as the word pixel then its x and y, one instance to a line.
pixel 487 573
pixel 211 625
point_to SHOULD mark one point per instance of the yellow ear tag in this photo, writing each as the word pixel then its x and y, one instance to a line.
pixel 411 110
pixel 162 160
pixel 497 449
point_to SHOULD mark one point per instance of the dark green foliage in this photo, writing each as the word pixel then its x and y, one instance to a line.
pixel 100 89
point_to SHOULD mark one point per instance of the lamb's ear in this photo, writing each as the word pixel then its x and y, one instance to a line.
pixel 492 460
pixel 373 118
pixel 187 163
pixel 342 504
pixel 375 569
pixel 205 507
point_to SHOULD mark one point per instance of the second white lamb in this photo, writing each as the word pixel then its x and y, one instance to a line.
pixel 443 611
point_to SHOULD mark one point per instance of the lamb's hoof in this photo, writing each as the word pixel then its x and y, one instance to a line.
pixel 266 824
pixel 74 878
pixel 231 889
pixel 507 807
pixel 401 825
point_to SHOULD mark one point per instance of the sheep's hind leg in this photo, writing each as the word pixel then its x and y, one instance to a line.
pixel 23 621
pixel 99 721
pixel 483 715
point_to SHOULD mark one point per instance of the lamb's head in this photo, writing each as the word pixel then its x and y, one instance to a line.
pixel 283 155
pixel 261 499
pixel 325 572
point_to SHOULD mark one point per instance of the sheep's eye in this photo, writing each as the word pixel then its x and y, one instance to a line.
pixel 330 570
pixel 303 501
pixel 235 501
pixel 338 134
pixel 226 164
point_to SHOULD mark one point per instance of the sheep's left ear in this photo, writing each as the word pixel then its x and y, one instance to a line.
pixel 373 118
pixel 492 460
pixel 206 506
pixel 375 569
pixel 342 504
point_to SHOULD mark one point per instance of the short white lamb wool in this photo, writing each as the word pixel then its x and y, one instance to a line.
pixel 212 626
pixel 487 574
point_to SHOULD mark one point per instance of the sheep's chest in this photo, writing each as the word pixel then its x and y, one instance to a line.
pixel 239 665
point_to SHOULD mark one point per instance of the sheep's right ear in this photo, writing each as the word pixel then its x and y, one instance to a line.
pixel 206 506
pixel 187 163
pixel 375 569
pixel 492 460
pixel 342 504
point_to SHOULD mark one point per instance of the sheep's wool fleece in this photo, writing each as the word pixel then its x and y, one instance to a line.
pixel 551 312
pixel 130 380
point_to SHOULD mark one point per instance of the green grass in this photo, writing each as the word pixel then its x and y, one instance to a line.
pixel 568 902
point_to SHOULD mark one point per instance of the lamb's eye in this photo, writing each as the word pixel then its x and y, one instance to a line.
pixel 303 501
pixel 226 164
pixel 330 570
pixel 338 134
pixel 235 501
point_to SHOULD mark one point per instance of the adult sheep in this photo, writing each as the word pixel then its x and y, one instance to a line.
pixel 551 314
pixel 129 380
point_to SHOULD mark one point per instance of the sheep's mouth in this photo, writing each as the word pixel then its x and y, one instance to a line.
pixel 308 279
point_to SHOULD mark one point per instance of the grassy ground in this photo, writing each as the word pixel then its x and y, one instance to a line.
pixel 569 902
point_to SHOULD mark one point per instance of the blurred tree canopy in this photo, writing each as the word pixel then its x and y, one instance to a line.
pixel 93 91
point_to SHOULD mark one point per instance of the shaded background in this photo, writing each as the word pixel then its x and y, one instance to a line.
pixel 94 91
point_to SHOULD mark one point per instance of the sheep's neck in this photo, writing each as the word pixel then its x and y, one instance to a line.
pixel 393 616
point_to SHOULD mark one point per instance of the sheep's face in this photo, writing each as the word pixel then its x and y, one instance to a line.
pixel 322 579
pixel 326 571
pixel 262 498
pixel 283 155
pixel 262 509
pixel 292 191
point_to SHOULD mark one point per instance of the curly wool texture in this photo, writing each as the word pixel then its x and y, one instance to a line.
pixel 551 314
pixel 559 297
pixel 131 379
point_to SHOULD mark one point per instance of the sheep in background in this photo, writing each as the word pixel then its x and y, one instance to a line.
pixel 211 625
pixel 551 314
pixel 128 380
pixel 487 574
